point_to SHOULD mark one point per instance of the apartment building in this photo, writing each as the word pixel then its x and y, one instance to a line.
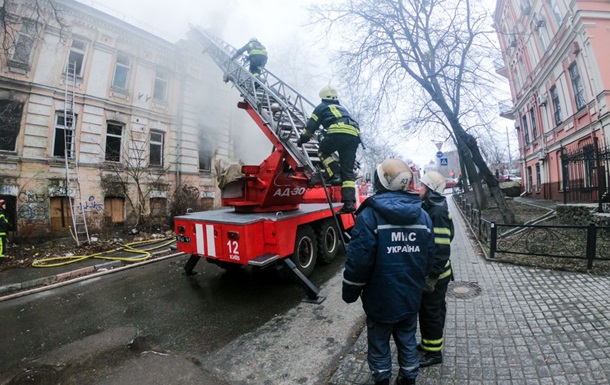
pixel 556 59
pixel 151 117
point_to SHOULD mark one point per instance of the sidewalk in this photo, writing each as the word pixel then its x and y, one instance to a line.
pixel 20 280
pixel 511 325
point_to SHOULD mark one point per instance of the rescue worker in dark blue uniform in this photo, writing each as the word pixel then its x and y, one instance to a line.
pixel 343 136
pixel 434 307
pixel 4 227
pixel 257 56
pixel 388 259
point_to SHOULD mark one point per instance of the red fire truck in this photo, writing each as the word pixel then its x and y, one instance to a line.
pixel 279 212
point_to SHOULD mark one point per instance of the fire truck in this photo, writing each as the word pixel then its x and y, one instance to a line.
pixel 277 213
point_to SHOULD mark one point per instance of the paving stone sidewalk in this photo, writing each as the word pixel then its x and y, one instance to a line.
pixel 526 326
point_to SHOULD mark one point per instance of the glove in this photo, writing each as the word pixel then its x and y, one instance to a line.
pixel 430 284
pixel 304 138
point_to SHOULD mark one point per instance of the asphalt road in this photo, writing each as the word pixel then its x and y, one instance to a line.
pixel 148 325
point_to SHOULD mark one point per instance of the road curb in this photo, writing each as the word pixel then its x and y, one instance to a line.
pixel 78 275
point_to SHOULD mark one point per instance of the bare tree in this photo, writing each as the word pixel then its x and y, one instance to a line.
pixel 136 179
pixel 23 23
pixel 433 48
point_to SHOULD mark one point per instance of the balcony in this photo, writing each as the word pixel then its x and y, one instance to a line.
pixel 501 68
pixel 507 110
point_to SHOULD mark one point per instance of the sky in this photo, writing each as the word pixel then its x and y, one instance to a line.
pixel 280 24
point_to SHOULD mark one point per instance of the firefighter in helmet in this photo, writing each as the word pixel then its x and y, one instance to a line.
pixel 4 227
pixel 387 262
pixel 343 136
pixel 433 306
pixel 257 56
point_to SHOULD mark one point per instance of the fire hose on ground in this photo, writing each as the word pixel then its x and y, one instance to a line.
pixel 142 254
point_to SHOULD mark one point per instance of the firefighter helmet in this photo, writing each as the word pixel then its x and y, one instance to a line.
pixel 252 39
pixel 435 181
pixel 328 93
pixel 394 175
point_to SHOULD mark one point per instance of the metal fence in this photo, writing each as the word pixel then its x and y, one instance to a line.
pixel 583 171
pixel 587 243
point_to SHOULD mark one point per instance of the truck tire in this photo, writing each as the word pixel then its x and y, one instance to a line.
pixel 328 241
pixel 305 250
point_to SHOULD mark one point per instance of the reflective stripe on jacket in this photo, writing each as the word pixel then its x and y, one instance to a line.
pixel 334 118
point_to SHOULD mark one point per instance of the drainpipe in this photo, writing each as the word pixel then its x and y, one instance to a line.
pixel 180 119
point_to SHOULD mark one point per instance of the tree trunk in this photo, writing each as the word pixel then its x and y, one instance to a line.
pixel 492 182
pixel 473 176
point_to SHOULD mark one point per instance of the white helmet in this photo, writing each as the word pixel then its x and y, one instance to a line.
pixel 328 93
pixel 435 181
pixel 394 175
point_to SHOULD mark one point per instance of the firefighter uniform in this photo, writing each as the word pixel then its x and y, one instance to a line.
pixel 257 56
pixel 4 227
pixel 433 307
pixel 343 136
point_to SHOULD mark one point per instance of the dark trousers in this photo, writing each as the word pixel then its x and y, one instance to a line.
pixel 379 354
pixel 346 145
pixel 257 63
pixel 432 314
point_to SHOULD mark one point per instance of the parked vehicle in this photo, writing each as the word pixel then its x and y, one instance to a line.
pixel 450 182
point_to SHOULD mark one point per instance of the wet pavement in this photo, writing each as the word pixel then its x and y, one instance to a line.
pixel 511 325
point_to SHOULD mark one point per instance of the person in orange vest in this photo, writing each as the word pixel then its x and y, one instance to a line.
pixel 4 227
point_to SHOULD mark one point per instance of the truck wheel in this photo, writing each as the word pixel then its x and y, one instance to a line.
pixel 328 242
pixel 305 250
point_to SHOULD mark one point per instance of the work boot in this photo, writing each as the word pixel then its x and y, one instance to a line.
pixel 404 381
pixel 348 207
pixel 420 348
pixel 430 358
pixel 382 382
pixel 335 181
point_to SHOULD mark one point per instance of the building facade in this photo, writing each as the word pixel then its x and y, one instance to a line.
pixel 556 59
pixel 151 117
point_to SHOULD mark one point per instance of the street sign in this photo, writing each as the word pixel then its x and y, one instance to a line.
pixel 439 154
pixel 444 162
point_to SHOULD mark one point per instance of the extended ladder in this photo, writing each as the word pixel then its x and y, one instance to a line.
pixel 283 110
pixel 80 232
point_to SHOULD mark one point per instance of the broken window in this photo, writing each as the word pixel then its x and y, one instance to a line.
pixel 10 124
pixel 114 136
pixel 63 143
pixel 24 43
pixel 76 58
pixel 156 148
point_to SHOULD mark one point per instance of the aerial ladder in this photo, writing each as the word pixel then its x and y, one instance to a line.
pixel 280 210
pixel 281 113
pixel 79 229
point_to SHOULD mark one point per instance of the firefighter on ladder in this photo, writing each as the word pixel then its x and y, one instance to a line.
pixel 433 307
pixel 4 227
pixel 257 56
pixel 343 136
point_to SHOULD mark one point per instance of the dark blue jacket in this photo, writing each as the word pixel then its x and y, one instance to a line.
pixel 389 256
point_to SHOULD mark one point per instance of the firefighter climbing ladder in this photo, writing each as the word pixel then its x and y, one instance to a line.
pixel 73 191
pixel 284 111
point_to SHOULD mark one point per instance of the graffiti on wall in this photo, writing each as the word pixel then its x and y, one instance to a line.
pixel 92 205
pixel 32 206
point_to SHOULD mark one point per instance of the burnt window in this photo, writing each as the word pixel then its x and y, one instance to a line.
pixel 24 43
pixel 10 124
pixel 114 136
pixel 205 152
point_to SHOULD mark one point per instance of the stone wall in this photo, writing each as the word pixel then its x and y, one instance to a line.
pixel 581 214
